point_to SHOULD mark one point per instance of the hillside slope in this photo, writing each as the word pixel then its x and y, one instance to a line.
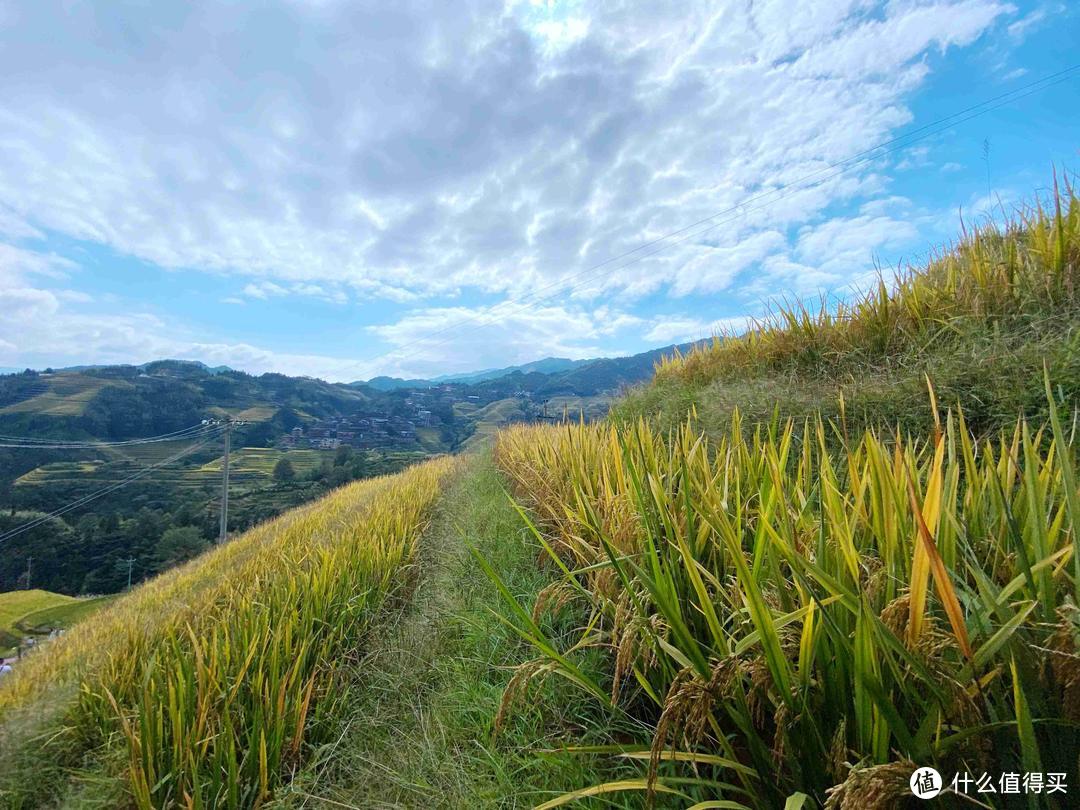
pixel 14 605
pixel 979 321
pixel 798 603
pixel 203 684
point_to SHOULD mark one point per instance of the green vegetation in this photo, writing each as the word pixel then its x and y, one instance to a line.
pixel 62 616
pixel 979 321
pixel 248 466
pixel 795 565
pixel 284 471
pixel 422 727
pixel 16 604
pixel 35 611
pixel 212 679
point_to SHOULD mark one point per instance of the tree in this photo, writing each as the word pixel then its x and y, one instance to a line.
pixel 283 471
pixel 178 544
pixel 343 456
pixel 339 476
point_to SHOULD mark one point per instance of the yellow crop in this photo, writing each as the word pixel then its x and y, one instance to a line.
pixel 214 674
pixel 786 603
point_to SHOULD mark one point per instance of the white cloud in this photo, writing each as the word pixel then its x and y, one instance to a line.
pixel 264 290
pixel 1020 29
pixel 17 263
pixel 44 327
pixel 13 226
pixel 425 153
pixel 482 149
pixel 683 330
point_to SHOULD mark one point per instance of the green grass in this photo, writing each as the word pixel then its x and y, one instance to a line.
pixel 63 394
pixel 62 616
pixel 980 321
pixel 15 606
pixel 419 726
pixel 248 467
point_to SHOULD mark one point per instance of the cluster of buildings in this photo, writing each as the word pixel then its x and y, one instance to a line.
pixel 361 432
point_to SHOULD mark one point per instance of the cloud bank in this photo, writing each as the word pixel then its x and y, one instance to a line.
pixel 445 156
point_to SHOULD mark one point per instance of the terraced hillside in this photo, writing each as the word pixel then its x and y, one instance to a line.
pixel 209 681
pixel 689 607
pixel 61 394
pixel 248 467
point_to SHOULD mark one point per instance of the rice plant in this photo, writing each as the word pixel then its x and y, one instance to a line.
pixel 1023 273
pixel 795 612
pixel 213 677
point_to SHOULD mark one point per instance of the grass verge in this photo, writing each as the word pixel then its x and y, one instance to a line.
pixel 420 726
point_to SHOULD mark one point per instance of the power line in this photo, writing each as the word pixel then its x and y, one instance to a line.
pixel 778 193
pixel 63 444
pixel 101 492
pixel 29 443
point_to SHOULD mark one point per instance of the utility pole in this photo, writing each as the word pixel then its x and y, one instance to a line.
pixel 131 564
pixel 229 424
pixel 29 560
pixel 224 533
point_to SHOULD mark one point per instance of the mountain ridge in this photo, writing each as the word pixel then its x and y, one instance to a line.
pixel 548 366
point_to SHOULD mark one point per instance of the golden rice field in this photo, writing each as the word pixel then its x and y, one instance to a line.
pixel 1024 271
pixel 798 614
pixel 213 677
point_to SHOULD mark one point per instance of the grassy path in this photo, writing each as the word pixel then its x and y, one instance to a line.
pixel 419 730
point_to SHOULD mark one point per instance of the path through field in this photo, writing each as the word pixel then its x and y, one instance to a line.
pixel 419 733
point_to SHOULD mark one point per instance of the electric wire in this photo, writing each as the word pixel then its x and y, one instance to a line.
pixel 101 492
pixel 55 444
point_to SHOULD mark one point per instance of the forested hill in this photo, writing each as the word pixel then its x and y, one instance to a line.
pixel 158 501
pixel 122 402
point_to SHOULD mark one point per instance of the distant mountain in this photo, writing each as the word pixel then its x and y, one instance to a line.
pixel 609 373
pixel 119 402
pixel 195 364
pixel 391 383
pixel 585 379
pixel 548 365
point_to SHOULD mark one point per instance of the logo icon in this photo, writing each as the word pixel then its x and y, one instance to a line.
pixel 926 783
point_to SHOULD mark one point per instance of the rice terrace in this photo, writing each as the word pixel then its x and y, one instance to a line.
pixel 540 405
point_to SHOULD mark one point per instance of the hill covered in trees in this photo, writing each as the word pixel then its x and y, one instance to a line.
pixel 300 437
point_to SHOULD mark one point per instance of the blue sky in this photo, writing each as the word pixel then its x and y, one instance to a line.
pixel 350 189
